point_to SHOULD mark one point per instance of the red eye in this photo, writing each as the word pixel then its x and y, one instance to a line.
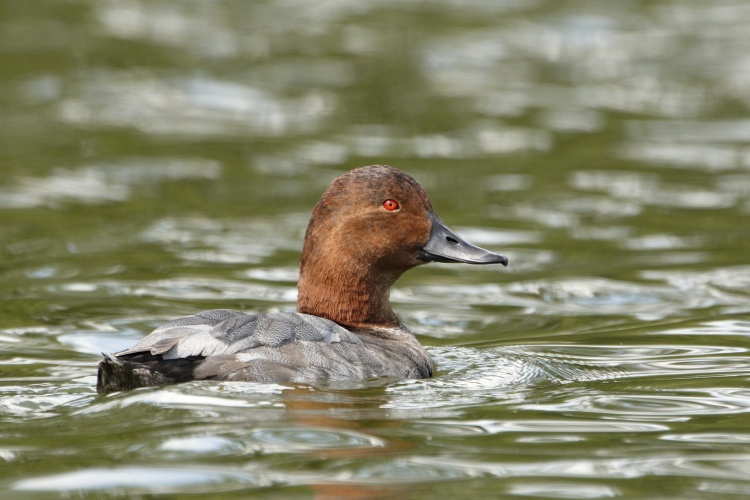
pixel 390 205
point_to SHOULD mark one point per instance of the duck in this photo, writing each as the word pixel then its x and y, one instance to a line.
pixel 369 227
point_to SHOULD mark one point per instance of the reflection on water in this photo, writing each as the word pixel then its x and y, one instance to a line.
pixel 191 109
pixel 125 479
pixel 103 183
pixel 162 158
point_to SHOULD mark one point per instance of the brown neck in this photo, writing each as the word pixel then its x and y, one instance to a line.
pixel 345 294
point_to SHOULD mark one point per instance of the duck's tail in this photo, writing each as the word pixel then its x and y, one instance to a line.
pixel 142 370
pixel 119 374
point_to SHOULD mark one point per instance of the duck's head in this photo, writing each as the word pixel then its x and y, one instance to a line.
pixel 370 226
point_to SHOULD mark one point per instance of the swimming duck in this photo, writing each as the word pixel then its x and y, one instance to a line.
pixel 370 226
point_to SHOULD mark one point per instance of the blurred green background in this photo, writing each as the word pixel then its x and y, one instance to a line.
pixel 162 157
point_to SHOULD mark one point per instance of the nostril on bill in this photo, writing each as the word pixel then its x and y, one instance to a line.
pixel 452 241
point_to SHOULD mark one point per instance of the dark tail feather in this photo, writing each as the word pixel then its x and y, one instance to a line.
pixel 118 374
pixel 142 370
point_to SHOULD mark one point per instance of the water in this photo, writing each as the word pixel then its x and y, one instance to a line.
pixel 161 158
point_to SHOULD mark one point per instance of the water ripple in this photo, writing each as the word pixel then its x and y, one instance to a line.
pixel 229 241
pixel 135 478
pixel 192 107
pixel 188 396
pixel 574 296
pixel 677 407
pixel 105 183
pixel 648 189
pixel 566 428
pixel 220 290
pixel 301 439
pixel 709 465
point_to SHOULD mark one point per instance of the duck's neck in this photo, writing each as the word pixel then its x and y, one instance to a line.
pixel 350 296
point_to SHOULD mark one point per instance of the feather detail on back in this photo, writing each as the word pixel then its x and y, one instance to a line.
pixel 275 347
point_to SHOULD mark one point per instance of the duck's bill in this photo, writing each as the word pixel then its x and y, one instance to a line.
pixel 446 246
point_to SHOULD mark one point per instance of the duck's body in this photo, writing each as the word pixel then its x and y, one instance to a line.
pixel 224 344
pixel 371 225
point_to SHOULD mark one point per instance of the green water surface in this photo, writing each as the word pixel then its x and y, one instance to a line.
pixel 160 158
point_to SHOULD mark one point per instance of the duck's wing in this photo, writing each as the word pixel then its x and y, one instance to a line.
pixel 225 331
pixel 169 334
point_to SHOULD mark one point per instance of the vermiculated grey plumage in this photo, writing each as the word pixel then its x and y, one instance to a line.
pixel 224 344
